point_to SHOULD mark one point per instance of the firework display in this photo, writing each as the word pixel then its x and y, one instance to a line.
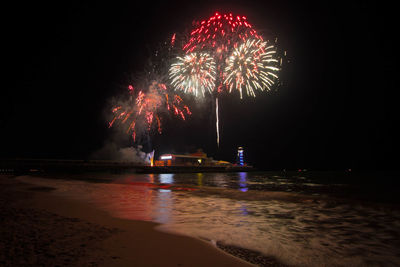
pixel 143 111
pixel 223 53
pixel 194 73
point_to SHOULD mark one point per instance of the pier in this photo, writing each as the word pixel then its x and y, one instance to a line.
pixel 21 166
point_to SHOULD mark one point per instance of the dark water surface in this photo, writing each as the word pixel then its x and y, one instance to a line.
pixel 301 218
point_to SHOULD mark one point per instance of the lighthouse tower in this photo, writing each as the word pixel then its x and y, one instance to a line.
pixel 240 158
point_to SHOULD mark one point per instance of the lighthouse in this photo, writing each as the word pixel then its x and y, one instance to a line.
pixel 240 158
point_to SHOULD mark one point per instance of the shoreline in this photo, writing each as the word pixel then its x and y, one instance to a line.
pixel 79 234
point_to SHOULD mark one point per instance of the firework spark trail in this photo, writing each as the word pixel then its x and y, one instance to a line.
pixel 217 119
pixel 143 112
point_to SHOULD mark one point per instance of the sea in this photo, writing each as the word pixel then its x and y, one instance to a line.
pixel 301 218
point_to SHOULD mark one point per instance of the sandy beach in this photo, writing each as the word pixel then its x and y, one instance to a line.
pixel 40 229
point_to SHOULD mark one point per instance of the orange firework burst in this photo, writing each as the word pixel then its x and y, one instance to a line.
pixel 142 112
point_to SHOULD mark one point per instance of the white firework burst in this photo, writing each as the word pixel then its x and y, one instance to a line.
pixel 194 73
pixel 253 66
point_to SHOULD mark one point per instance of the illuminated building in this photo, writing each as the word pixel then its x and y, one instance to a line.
pixel 194 159
pixel 180 160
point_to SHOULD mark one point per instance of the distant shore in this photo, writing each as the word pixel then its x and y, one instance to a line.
pixel 38 228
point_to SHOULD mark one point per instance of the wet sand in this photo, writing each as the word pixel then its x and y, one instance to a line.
pixel 38 228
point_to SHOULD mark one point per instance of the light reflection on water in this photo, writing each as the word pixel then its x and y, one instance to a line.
pixel 309 234
pixel 166 178
pixel 242 181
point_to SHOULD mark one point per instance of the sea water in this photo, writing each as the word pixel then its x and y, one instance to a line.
pixel 301 218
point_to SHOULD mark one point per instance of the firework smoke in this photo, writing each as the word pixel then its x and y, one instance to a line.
pixel 111 151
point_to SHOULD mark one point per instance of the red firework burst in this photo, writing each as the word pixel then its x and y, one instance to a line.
pixel 220 32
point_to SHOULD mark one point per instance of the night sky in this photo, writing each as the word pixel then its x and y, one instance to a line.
pixel 336 108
